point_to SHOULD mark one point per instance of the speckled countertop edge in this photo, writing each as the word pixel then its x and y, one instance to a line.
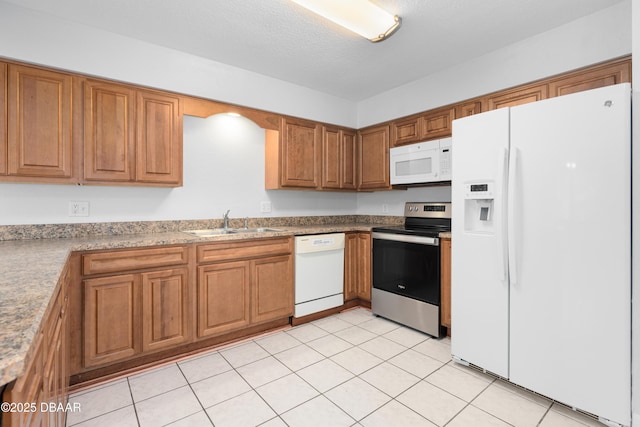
pixel 32 269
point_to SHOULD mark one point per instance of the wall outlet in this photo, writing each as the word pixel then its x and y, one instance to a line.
pixel 385 208
pixel 265 207
pixel 78 208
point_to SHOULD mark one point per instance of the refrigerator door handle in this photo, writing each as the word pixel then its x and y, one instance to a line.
pixel 503 163
pixel 511 215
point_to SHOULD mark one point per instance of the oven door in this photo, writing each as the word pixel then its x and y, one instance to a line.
pixel 407 265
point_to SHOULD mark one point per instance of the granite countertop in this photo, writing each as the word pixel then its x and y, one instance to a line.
pixel 32 268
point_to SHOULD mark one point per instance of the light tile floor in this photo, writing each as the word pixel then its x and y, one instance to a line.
pixel 350 369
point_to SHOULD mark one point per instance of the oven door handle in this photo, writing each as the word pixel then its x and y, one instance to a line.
pixel 421 240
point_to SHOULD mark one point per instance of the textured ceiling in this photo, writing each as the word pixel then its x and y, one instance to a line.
pixel 280 39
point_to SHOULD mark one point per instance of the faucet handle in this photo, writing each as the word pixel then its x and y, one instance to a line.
pixel 246 222
pixel 226 214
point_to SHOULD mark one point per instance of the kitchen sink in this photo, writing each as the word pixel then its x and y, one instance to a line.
pixel 220 231
pixel 209 232
pixel 255 230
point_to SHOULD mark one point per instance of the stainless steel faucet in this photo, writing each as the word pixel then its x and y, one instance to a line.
pixel 225 219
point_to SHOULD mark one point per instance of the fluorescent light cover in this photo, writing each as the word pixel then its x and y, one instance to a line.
pixel 359 16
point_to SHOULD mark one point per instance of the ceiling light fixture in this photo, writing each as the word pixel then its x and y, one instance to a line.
pixel 360 16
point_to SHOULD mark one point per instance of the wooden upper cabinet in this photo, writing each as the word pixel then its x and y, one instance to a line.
pixel 373 154
pixel 338 158
pixel 39 123
pixel 518 96
pixel 406 131
pixel 109 132
pixel 468 108
pixel 300 147
pixel 592 78
pixel 437 124
pixel 293 155
pixel 159 138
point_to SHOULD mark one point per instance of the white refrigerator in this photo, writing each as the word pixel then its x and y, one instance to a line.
pixel 541 248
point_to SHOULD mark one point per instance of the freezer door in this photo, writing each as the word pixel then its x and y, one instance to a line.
pixel 479 288
pixel 570 245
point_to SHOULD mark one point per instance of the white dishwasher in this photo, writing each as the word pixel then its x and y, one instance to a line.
pixel 319 273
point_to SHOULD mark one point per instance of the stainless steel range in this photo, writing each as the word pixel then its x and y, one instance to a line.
pixel 406 267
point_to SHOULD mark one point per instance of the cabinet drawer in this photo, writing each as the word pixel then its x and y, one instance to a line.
pixel 242 250
pixel 136 259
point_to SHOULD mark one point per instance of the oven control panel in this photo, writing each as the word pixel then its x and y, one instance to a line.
pixel 427 209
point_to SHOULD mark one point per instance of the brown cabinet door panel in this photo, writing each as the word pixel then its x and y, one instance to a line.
pixel 159 139
pixel 364 267
pixel 591 79
pixel 348 176
pixel 165 309
pixel 373 149
pixel 39 127
pixel 272 288
pixel 330 157
pixel 406 131
pixel 519 96
pixel 437 124
pixel 223 298
pixel 109 132
pixel 445 282
pixel 300 151
pixel 111 319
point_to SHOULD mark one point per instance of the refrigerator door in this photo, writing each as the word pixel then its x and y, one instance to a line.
pixel 479 287
pixel 571 250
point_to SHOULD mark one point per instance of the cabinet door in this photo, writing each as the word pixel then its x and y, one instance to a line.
pixel 445 282
pixel 111 319
pixel 223 297
pixel 351 266
pixel 165 309
pixel 300 153
pixel 437 124
pixel 364 266
pixel 272 288
pixel 519 96
pixel 405 131
pixel 109 132
pixel 159 139
pixel 373 148
pixel 331 157
pixel 591 79
pixel 3 118
pixel 39 127
pixel 468 108
pixel 348 150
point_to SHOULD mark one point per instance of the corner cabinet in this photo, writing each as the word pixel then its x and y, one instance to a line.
pixel 131 136
pixel 373 156
pixel 338 158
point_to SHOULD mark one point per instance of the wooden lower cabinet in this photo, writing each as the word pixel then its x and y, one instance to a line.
pixel 223 297
pixel 445 283
pixel 239 287
pixel 42 389
pixel 357 266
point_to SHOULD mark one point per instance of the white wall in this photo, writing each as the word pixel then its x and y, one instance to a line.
pixel 224 169
pixel 595 38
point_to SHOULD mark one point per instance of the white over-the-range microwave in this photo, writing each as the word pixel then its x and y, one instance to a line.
pixel 422 162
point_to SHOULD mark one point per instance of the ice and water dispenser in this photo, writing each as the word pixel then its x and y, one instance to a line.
pixel 479 206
